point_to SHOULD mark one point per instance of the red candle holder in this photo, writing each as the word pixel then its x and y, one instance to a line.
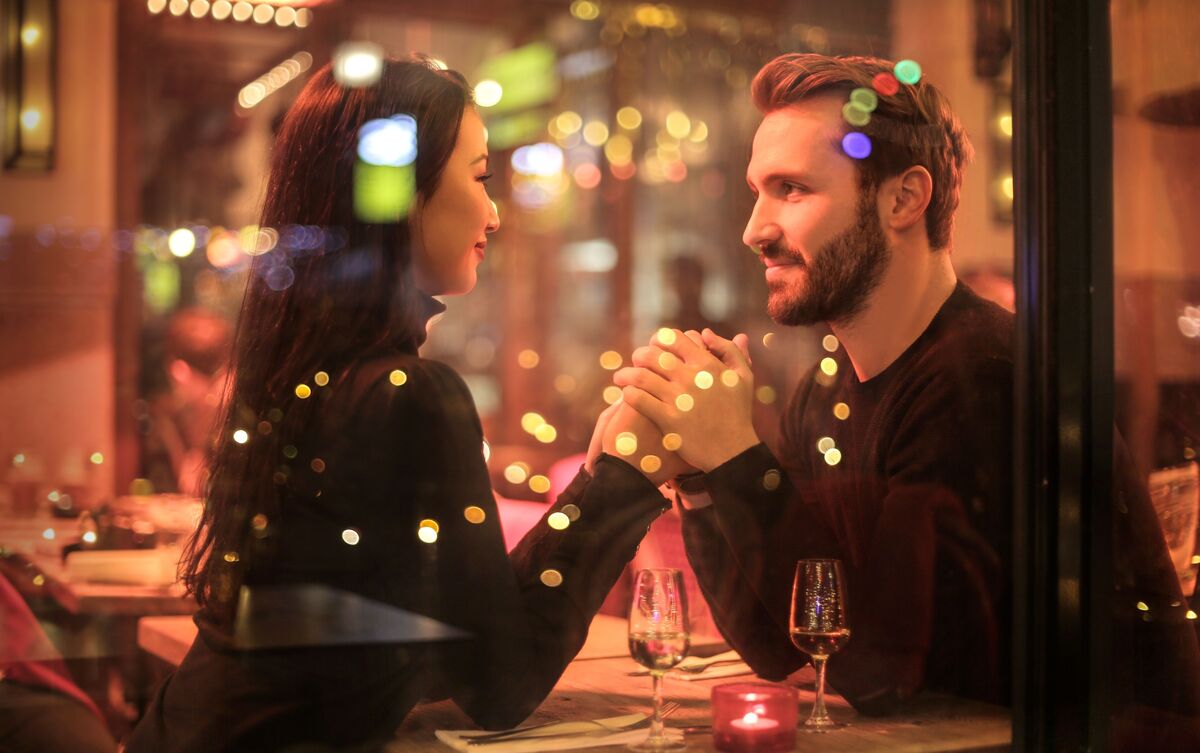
pixel 753 717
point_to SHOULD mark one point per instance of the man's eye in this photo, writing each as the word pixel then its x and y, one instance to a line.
pixel 794 188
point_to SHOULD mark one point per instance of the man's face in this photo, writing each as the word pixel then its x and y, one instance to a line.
pixel 823 245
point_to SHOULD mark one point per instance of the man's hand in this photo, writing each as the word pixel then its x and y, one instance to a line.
pixel 631 437
pixel 702 394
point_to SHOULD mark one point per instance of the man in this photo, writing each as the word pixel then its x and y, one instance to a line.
pixel 895 452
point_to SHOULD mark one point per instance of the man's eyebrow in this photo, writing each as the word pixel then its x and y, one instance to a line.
pixel 799 176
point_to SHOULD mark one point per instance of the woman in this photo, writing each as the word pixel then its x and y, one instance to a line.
pixel 341 444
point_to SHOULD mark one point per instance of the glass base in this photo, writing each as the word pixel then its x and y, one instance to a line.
pixel 821 725
pixel 661 743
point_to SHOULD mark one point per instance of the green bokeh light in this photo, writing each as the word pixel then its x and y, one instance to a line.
pixel 908 71
pixel 383 193
pixel 855 115
pixel 865 98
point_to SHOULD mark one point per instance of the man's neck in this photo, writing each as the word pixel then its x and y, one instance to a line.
pixel 912 291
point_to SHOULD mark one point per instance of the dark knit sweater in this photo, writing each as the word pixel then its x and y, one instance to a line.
pixel 917 507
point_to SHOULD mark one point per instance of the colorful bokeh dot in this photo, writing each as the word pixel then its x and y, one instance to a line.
pixel 856 145
pixel 865 98
pixel 885 84
pixel 907 71
pixel 855 114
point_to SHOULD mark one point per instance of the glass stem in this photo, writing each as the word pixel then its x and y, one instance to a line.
pixel 656 722
pixel 818 713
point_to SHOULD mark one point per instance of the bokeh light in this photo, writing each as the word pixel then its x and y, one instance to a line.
pixel 587 176
pixel 854 114
pixel 629 118
pixel 356 64
pixel 907 71
pixel 856 145
pixel 626 443
pixel 885 84
pixel 679 125
pixel 865 98
pixel 488 93
pixel 542 159
pixel 390 142
pixel 528 359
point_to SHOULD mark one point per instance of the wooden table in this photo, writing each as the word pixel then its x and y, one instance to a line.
pixel 597 685
pixel 594 688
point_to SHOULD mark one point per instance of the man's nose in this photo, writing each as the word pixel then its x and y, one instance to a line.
pixel 761 229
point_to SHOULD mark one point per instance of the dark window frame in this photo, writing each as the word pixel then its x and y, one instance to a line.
pixel 1064 375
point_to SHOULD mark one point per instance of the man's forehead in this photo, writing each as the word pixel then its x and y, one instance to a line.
pixel 808 132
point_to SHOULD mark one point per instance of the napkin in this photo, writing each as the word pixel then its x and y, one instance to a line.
pixel 562 736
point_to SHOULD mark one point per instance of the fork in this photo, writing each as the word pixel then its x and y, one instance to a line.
pixel 494 737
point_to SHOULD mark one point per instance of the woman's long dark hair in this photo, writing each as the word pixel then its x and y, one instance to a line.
pixel 330 290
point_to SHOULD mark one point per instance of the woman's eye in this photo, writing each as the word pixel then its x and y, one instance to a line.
pixel 484 178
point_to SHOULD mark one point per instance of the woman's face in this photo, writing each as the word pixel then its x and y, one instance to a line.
pixel 450 227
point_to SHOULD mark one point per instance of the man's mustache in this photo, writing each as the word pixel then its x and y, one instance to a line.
pixel 777 250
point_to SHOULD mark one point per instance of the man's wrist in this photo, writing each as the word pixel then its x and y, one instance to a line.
pixel 746 443
pixel 690 483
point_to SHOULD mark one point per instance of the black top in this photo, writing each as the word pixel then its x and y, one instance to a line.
pixel 918 506
pixel 395 455
pixel 914 498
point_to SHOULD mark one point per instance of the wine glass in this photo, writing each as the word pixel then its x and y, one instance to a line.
pixel 818 623
pixel 658 639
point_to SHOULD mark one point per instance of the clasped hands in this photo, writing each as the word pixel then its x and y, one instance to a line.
pixel 685 405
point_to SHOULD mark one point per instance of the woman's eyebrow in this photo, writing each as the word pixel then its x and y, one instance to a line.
pixel 482 157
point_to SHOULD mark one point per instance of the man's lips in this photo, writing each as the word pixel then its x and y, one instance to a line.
pixel 781 261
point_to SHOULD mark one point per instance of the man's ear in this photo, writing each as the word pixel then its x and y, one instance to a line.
pixel 906 197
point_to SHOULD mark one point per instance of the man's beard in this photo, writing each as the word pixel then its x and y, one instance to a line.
pixel 840 277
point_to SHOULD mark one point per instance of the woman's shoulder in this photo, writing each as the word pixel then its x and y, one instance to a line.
pixel 406 381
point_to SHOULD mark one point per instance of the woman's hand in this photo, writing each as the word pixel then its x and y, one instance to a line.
pixel 631 437
pixel 596 446
pixel 700 392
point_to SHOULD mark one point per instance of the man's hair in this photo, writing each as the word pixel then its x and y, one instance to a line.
pixel 914 126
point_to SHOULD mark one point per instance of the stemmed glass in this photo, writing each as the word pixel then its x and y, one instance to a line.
pixel 818 624
pixel 658 639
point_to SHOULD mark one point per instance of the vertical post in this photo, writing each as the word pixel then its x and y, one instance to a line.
pixel 1064 375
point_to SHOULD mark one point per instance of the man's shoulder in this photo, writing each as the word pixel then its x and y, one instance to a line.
pixel 970 333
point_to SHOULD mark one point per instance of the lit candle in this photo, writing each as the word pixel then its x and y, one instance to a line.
pixel 754 718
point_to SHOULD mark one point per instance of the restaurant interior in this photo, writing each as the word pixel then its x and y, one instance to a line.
pixel 137 142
